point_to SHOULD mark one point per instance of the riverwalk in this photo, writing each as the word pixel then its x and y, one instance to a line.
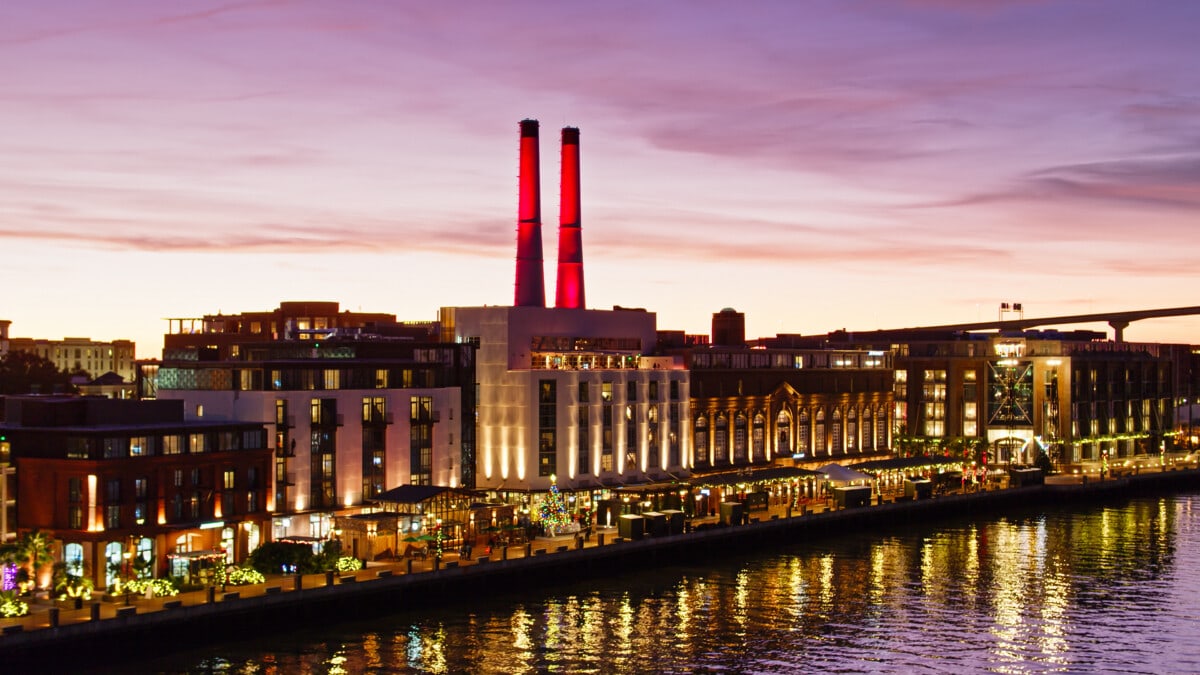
pixel 118 627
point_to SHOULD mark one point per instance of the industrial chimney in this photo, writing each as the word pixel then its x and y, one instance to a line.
pixel 531 287
pixel 569 290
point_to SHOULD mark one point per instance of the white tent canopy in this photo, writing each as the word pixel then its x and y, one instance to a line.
pixel 840 474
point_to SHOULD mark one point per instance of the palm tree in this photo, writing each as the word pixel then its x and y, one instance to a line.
pixel 36 553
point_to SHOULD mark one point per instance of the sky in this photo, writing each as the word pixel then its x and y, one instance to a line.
pixel 815 164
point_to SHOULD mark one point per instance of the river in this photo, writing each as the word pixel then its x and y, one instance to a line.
pixel 1099 588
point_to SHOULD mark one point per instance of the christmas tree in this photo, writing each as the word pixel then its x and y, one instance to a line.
pixel 554 511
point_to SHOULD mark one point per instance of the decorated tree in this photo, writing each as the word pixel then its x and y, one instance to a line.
pixel 555 518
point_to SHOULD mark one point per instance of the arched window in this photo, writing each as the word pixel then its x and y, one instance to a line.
pixel 881 429
pixel 700 439
pixel 739 438
pixel 819 439
pixel 73 559
pixel 851 430
pixel 758 450
pixel 783 434
pixel 145 552
pixel 868 431
pixel 721 440
pixel 112 563
pixel 836 446
pixel 803 435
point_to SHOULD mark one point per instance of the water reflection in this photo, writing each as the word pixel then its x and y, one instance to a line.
pixel 1082 590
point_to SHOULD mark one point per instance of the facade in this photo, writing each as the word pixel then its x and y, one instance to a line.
pixel 751 407
pixel 111 481
pixel 351 416
pixel 1008 398
pixel 76 353
pixel 574 396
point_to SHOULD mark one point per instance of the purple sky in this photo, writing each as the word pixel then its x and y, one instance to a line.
pixel 815 164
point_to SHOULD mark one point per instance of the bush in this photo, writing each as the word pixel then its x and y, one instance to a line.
pixel 279 557
pixel 348 564
pixel 12 606
pixel 244 576
pixel 162 588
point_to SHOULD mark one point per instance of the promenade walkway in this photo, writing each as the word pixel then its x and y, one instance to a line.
pixel 48 614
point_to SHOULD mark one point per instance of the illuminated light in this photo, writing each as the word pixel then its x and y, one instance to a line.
pixel 348 500
pixel 1054 362
pixel 212 525
pixel 94 524
pixel 530 287
pixel 300 503
pixel 569 293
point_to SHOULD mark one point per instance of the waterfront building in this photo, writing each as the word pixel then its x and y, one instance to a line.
pixel 219 336
pixel 110 481
pixel 1007 398
pixel 754 407
pixel 352 414
pixel 573 396
pixel 76 353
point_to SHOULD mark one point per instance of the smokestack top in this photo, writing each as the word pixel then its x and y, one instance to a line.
pixel 570 136
pixel 529 128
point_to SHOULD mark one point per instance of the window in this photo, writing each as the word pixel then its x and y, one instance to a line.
pixel 653 392
pixel 374 410
pixel 583 392
pixel 700 440
pixel 606 392
pixel 75 504
pixel 171 444
pixel 606 438
pixel 739 438
pixel 229 479
pixel 584 464
pixel 674 390
pixel 197 443
pixel 631 391
pixel 114 447
pixel 631 437
pixel 547 427
pixel 73 558
pixel 139 446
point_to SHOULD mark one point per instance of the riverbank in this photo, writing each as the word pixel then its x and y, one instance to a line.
pixel 113 633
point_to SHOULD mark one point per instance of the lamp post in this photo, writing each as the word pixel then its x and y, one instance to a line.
pixel 126 573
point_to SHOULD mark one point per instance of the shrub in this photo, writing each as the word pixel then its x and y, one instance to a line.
pixel 244 576
pixel 12 606
pixel 348 564
pixel 161 587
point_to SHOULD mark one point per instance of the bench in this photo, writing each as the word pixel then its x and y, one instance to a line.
pixel 383 573
pixel 272 590
pixel 123 612
pixel 172 604
pixel 232 595
pixel 349 579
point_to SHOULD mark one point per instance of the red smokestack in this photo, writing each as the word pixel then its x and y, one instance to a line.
pixel 569 291
pixel 531 287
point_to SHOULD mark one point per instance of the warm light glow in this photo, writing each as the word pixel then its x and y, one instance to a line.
pixel 94 524
pixel 299 502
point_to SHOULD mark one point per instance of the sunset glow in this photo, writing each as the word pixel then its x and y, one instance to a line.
pixel 816 165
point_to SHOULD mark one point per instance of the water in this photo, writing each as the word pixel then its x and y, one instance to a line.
pixel 1096 589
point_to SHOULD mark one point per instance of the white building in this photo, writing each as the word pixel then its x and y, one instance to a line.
pixel 574 394
pixel 350 419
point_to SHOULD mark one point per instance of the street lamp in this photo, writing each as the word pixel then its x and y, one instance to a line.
pixel 127 572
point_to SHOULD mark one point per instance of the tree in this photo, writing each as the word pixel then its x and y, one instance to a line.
pixel 28 373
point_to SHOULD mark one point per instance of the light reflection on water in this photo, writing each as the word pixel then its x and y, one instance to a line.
pixel 1093 589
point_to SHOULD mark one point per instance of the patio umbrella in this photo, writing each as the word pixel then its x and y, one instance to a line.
pixel 411 538
pixel 427 537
